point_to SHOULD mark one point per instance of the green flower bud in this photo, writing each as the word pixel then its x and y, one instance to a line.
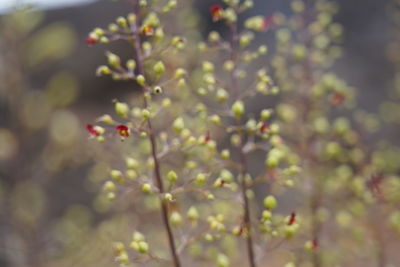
pixel 290 230
pixel 180 73
pixel 208 237
pixel 178 125
pixel 141 80
pixel 225 154
pixel 166 102
pixel 159 68
pixel 230 15
pixel 117 175
pixel 111 196
pixel 121 21
pixel 238 108
pixel 131 64
pixel 122 109
pixel 103 70
pixel 143 247
pixel 297 6
pixel 145 114
pixel 193 214
pixel 214 36
pixel 208 66
pixel 246 39
pixel 229 65
pixel 168 197
pixel 262 50
pixel 265 114
pixel 222 95
pixel 210 196
pixel 209 79
pixel 270 202
pixel 172 176
pixel 200 179
pixel 131 18
pixel 107 119
pixel 131 163
pixel 104 40
pixel 113 27
pixel 176 218
pixel 146 188
pixel 255 23
pixel 138 236
pixel 113 60
pixel 215 119
pixel 222 260
pixel 266 215
pixel 109 186
pixel 131 174
pixel 248 4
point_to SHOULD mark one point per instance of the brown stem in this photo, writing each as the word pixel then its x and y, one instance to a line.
pixel 157 172
pixel 242 154
pixel 246 206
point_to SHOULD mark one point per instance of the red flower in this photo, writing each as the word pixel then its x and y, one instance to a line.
pixel 92 131
pixel 267 23
pixel 216 12
pixel 123 130
pixel 147 30
pixel 207 138
pixel 91 41
pixel 264 127
pixel 314 244
pixel 292 219
pixel 337 99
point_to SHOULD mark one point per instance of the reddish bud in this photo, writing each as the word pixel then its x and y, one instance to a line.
pixel 147 30
pixel 123 130
pixel 264 127
pixel 207 138
pixel 267 23
pixel 292 218
pixel 92 131
pixel 314 244
pixel 337 99
pixel 216 12
pixel 90 41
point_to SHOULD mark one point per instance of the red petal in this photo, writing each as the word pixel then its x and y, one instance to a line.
pixel 123 130
pixel 292 219
pixel 91 41
pixel 92 131
pixel 267 23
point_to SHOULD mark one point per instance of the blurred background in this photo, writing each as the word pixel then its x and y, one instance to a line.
pixel 49 91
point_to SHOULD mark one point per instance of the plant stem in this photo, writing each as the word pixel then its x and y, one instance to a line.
pixel 242 154
pixel 246 206
pixel 157 172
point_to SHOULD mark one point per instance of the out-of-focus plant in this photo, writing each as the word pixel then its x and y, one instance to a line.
pixel 343 173
pixel 39 134
pixel 231 76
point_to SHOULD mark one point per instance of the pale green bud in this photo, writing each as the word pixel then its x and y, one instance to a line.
pixel 238 108
pixel 141 80
pixel 172 176
pixel 146 188
pixel 178 125
pixel 122 109
pixel 121 21
pixel 270 202
pixel 225 154
pixel 193 214
pixel 109 186
pixel 159 68
pixel 176 218
pixel 113 60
